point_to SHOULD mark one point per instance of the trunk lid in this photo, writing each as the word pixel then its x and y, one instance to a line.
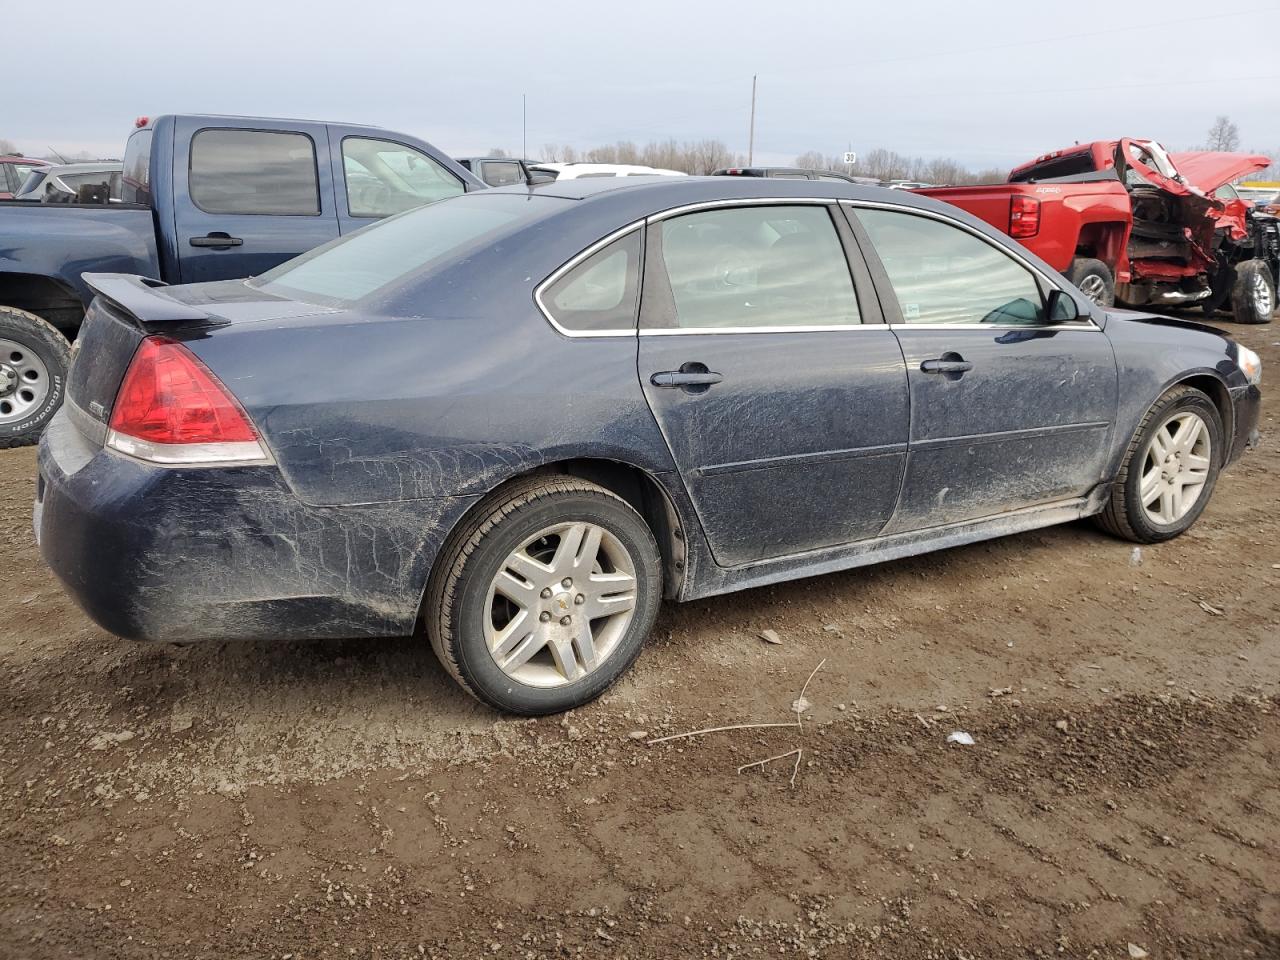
pixel 129 308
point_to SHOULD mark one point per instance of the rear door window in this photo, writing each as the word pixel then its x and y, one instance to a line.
pixel 254 172
pixel 758 267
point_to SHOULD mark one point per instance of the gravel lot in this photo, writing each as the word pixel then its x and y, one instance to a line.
pixel 340 799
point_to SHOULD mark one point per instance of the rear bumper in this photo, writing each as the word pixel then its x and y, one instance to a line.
pixel 1246 403
pixel 153 553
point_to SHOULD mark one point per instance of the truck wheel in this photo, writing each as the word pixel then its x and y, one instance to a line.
pixel 544 596
pixel 34 358
pixel 1253 295
pixel 1094 279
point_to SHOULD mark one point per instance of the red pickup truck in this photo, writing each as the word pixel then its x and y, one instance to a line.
pixel 1129 222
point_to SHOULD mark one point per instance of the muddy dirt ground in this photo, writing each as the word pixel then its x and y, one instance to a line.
pixel 342 799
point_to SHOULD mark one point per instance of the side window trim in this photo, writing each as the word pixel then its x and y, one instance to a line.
pixel 578 258
pixel 655 286
pixel 889 300
pixel 315 166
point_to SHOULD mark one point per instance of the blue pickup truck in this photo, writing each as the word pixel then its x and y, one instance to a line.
pixel 200 198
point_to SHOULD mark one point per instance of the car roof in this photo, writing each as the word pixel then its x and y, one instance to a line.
pixel 644 196
pixel 32 160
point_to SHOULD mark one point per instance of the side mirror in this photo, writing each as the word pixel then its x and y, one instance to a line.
pixel 537 176
pixel 1061 307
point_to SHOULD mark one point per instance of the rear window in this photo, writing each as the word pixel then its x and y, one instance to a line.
pixel 1070 166
pixel 360 264
pixel 254 172
pixel 135 180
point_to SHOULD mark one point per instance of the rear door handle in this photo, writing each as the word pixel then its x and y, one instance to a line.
pixel 946 366
pixel 678 378
pixel 219 241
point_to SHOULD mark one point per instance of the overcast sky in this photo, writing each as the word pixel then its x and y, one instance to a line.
pixel 988 84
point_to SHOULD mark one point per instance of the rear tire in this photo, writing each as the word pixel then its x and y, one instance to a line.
pixel 34 358
pixel 1131 513
pixel 586 591
pixel 1094 280
pixel 1253 295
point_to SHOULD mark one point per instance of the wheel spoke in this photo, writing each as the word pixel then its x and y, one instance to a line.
pixel 1189 433
pixel 519 592
pixel 1166 514
pixel 589 550
pixel 563 654
pixel 1150 487
pixel 585 644
pixel 510 636
pixel 525 566
pixel 527 647
pixel 567 550
pixel 1160 444
pixel 1196 463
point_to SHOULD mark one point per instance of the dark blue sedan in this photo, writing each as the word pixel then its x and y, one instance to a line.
pixel 517 420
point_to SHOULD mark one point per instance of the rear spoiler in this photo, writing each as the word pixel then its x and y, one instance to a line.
pixel 140 297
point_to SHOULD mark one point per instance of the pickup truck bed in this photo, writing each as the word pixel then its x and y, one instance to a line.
pixel 201 198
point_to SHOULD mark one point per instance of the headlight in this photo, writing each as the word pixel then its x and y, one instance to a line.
pixel 1250 363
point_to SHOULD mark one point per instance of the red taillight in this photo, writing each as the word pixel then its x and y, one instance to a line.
pixel 1024 217
pixel 172 409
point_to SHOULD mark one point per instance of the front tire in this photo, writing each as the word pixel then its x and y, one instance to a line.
pixel 1253 295
pixel 34 358
pixel 544 597
pixel 1169 470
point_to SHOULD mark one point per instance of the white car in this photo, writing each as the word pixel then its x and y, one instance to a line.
pixel 580 171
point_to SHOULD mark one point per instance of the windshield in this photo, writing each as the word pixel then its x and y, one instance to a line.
pixel 360 264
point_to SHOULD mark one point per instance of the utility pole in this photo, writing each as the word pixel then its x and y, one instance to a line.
pixel 524 126
pixel 751 137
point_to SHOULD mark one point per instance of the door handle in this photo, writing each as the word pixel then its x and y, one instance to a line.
pixel 674 378
pixel 692 377
pixel 218 241
pixel 946 366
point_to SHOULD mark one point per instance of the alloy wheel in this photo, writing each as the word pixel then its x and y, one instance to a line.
pixel 1175 468
pixel 1260 290
pixel 560 604
pixel 1093 287
pixel 24 381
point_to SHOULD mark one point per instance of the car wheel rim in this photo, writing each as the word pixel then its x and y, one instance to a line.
pixel 24 381
pixel 560 604
pixel 1262 296
pixel 1093 287
pixel 1175 468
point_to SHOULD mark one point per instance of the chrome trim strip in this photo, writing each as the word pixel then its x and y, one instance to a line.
pixel 1030 433
pixel 569 265
pixel 816 328
pixel 233 454
pixel 1086 324
pixel 822 456
pixel 740 202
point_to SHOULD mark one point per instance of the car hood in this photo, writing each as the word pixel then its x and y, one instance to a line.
pixel 1155 319
pixel 1207 170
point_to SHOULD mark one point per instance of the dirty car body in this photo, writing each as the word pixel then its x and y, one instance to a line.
pixel 768 418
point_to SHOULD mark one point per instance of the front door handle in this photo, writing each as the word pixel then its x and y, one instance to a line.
pixel 674 378
pixel 691 378
pixel 950 365
pixel 218 241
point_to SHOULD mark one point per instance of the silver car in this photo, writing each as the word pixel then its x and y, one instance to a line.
pixel 63 183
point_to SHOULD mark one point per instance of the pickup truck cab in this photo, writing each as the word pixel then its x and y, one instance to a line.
pixel 200 198
pixel 1129 222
